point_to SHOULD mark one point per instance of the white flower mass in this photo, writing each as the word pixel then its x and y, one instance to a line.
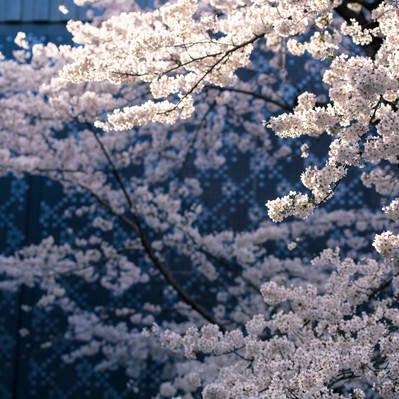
pixel 157 89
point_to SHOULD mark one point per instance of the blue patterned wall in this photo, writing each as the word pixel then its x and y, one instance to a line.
pixel 38 10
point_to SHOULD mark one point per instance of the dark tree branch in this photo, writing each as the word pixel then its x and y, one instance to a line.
pixel 252 94
pixel 136 227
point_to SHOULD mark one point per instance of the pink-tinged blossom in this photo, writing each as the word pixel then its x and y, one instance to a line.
pixel 156 91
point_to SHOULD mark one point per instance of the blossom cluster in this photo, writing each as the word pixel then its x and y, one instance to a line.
pixel 148 96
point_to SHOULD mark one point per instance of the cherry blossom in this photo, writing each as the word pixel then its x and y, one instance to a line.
pixel 143 96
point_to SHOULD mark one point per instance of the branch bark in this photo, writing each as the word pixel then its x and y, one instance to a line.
pixel 135 225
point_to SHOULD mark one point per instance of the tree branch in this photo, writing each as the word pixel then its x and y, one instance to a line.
pixel 250 93
pixel 136 227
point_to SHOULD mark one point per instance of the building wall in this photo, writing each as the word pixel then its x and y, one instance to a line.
pixel 38 11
